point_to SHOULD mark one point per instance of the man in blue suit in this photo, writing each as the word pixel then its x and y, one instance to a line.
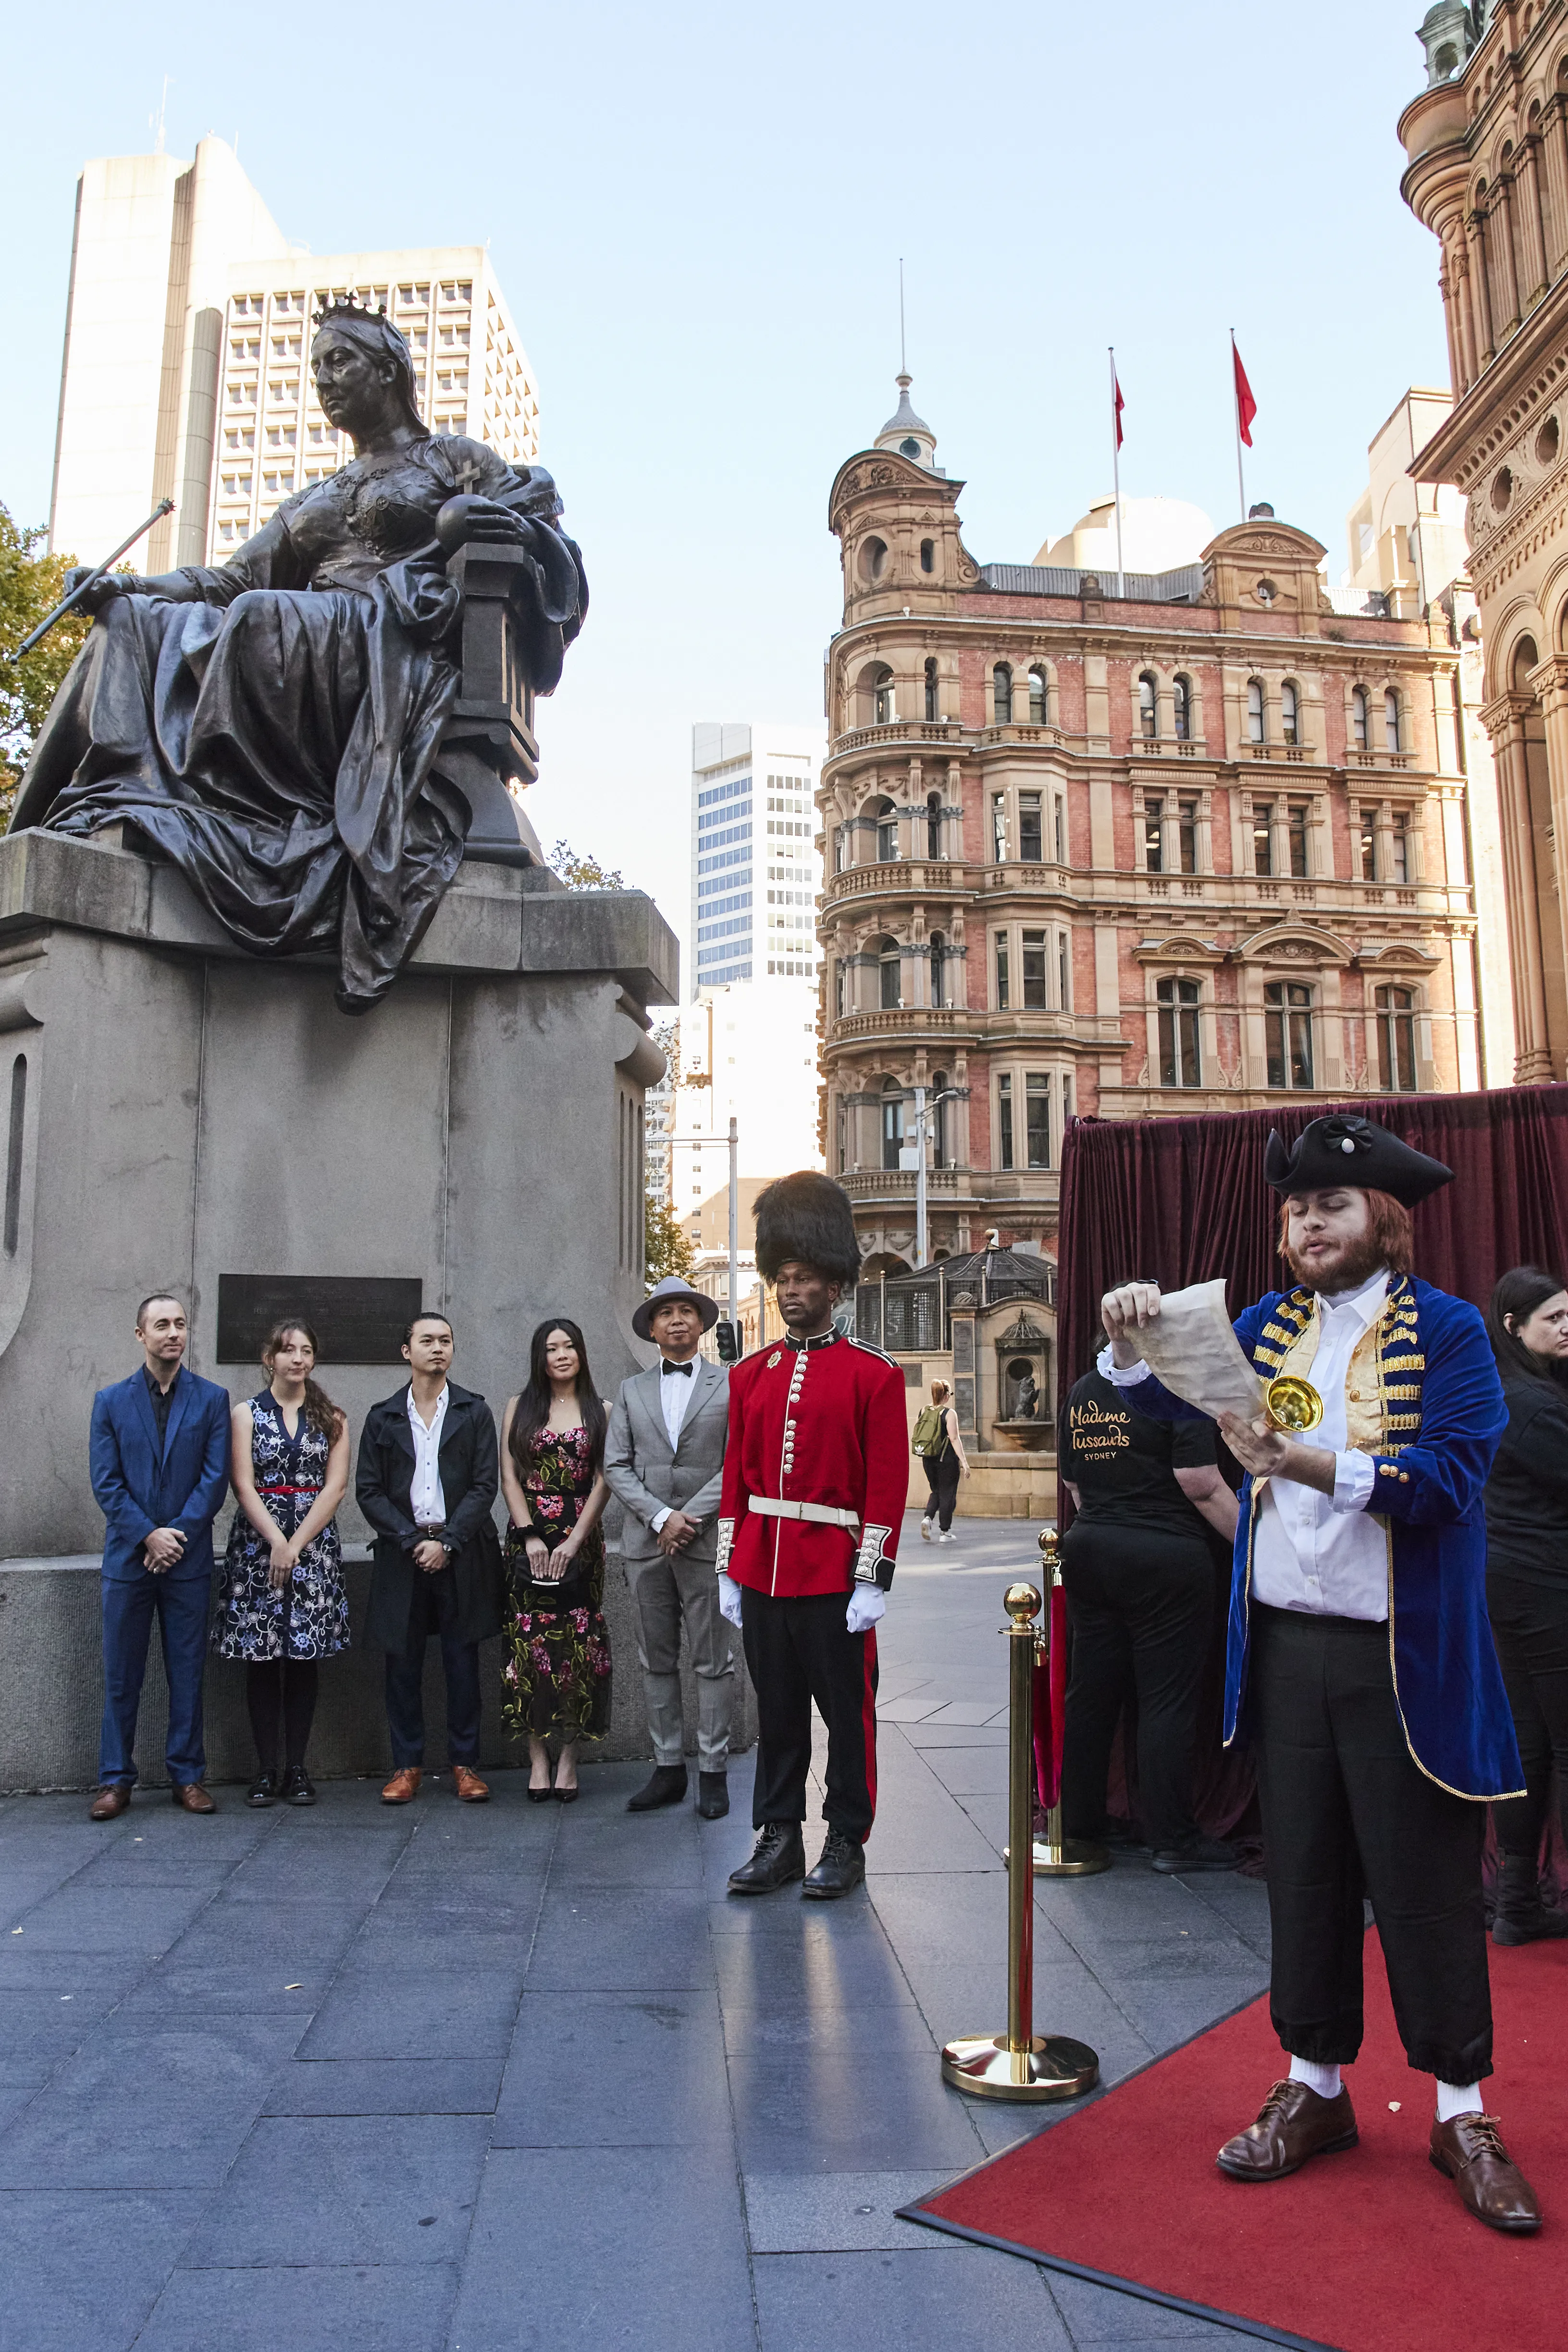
pixel 160 1471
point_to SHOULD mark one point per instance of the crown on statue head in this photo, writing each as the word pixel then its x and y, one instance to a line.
pixel 348 306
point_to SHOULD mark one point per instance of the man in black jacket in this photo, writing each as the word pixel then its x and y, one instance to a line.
pixel 428 1480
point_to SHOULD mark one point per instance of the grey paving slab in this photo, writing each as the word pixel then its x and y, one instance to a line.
pixel 425 2012
pixel 83 2269
pixel 1107 2320
pixel 648 2252
pixel 386 2086
pixel 968 2299
pixel 22 1889
pixel 837 2212
pixel 971 1771
pixel 334 2189
pixel 139 1921
pixel 644 1849
pixel 886 2031
pixel 657 2059
pixel 37 2026
pixel 615 1939
pixel 398 2308
pixel 821 2111
pixel 855 1971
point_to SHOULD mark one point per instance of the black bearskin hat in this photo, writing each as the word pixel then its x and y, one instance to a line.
pixel 1346 1149
pixel 807 1216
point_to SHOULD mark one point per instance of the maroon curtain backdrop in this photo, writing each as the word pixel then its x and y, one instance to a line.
pixel 1182 1200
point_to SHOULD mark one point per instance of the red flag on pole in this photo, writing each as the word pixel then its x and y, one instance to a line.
pixel 1117 403
pixel 1246 406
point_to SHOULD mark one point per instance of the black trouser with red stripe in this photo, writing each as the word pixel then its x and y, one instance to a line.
pixel 797 1650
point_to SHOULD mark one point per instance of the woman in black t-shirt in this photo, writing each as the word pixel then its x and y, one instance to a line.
pixel 1526 1578
pixel 1140 1585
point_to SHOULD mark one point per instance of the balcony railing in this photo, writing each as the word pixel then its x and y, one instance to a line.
pixel 899 1020
pixel 897 731
pixel 898 1183
pixel 895 874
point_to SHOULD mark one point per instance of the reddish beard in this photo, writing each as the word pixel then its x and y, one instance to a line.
pixel 1359 1261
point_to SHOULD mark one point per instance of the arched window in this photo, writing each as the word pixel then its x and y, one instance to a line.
pixel 934 708
pixel 890 990
pixel 1288 722
pixel 1182 707
pixel 1179 1062
pixel 1039 698
pixel 883 711
pixel 1148 707
pixel 1002 693
pixel 1391 721
pixel 938 976
pixel 1358 717
pixel 1255 711
pixel 885 817
pixel 934 824
pixel 1396 1017
pixel 928 555
pixel 940 1158
pixel 873 559
pixel 892 1122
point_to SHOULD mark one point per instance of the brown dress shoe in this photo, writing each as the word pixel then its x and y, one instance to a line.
pixel 470 1787
pixel 110 1801
pixel 1469 2149
pixel 1293 2124
pixel 404 1785
pixel 192 1797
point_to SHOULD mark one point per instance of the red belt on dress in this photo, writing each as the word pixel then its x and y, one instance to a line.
pixel 288 1490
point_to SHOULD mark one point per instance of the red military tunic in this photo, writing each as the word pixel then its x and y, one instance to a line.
pixel 820 1422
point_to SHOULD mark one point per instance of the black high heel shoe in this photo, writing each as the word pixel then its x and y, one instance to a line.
pixel 566 1796
pixel 541 1795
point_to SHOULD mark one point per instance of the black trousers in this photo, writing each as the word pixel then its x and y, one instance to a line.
pixel 1529 1626
pixel 1347 1810
pixel 797 1650
pixel 280 1693
pixel 1140 1605
pixel 942 1477
pixel 434 1611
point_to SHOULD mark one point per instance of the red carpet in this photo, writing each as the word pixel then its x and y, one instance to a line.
pixel 1367 2251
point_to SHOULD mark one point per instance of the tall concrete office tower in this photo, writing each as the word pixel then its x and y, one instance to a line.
pixel 187 342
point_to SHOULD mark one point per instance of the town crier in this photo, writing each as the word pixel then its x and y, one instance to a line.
pixel 815 1477
pixel 1359 1653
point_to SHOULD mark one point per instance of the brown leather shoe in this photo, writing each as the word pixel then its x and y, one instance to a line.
pixel 403 1786
pixel 470 1787
pixel 192 1797
pixel 1293 2124
pixel 1469 2149
pixel 110 1801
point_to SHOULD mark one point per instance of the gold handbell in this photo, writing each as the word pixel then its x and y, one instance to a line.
pixel 1292 1402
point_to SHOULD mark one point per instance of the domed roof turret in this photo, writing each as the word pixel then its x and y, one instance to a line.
pixel 908 434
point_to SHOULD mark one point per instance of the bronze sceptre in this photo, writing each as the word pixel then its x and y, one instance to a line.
pixel 68 604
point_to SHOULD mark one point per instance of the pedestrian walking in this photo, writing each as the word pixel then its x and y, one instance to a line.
pixel 935 1438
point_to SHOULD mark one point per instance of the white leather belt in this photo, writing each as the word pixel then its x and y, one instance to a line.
pixel 827 1515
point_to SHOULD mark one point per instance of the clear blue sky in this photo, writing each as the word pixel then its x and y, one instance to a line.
pixel 697 213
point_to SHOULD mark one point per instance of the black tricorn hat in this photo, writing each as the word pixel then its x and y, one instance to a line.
pixel 807 1216
pixel 1346 1149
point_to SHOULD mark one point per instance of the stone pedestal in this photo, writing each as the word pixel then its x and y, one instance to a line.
pixel 176 1111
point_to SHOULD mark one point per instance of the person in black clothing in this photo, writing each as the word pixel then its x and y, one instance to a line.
pixel 1527 1578
pixel 945 1461
pixel 1141 1588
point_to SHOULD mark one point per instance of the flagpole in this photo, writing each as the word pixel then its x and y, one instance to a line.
pixel 1116 474
pixel 1236 405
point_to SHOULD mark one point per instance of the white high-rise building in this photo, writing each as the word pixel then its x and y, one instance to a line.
pixel 186 357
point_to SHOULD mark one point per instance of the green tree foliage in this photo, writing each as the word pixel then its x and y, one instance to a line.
pixel 583 873
pixel 666 1248
pixel 30 584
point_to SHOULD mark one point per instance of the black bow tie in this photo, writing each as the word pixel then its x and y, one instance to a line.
pixel 677 1367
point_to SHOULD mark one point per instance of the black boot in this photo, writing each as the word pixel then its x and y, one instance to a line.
pixel 1520 1916
pixel 712 1795
pixel 667 1786
pixel 779 1856
pixel 842 1868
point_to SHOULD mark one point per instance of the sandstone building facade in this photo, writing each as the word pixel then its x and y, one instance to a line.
pixel 1197 847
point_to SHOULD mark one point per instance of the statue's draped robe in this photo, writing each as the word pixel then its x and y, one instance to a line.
pixel 274 736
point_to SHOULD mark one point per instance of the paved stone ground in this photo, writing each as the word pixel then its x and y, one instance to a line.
pixel 466 2078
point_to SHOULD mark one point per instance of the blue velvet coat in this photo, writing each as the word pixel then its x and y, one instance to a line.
pixel 139 1488
pixel 1427 1491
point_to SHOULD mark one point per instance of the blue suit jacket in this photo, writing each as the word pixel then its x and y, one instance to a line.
pixel 138 1489
pixel 1427 1492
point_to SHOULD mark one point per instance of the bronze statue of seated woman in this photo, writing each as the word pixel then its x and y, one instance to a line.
pixel 271 725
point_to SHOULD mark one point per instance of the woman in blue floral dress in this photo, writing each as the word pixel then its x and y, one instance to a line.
pixel 282 1605
pixel 552 1467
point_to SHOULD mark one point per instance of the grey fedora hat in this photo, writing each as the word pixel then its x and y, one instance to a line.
pixel 665 1294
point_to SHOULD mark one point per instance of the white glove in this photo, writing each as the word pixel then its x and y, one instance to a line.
pixel 867 1603
pixel 729 1599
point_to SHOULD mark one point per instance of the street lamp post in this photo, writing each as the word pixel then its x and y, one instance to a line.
pixel 948 1094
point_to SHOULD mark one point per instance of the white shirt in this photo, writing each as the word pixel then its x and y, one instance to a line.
pixel 425 1499
pixel 1321 1553
pixel 675 1391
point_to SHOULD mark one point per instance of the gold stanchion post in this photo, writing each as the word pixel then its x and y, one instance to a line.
pixel 1055 1855
pixel 1020 2064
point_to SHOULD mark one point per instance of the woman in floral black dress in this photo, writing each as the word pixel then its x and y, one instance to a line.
pixel 282 1606
pixel 552 1476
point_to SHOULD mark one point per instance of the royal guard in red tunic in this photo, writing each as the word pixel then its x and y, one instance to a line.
pixel 815 1475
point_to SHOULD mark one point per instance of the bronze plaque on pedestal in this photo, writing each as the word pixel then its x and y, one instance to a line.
pixel 357 1318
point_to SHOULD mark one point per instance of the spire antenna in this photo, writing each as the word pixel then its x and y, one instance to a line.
pixel 903 363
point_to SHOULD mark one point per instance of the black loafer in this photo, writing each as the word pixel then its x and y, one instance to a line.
pixel 842 1868
pixel 1197 1854
pixel 263 1790
pixel 298 1789
pixel 667 1786
pixel 779 1857
pixel 712 1795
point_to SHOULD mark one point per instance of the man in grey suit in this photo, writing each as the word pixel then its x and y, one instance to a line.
pixel 665 1460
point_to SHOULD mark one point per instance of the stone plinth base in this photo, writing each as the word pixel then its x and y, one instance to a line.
pixel 51 1691
pixel 1014 1485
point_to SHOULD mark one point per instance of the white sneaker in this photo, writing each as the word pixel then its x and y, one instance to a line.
pixel 925 1532
pixel 944 1538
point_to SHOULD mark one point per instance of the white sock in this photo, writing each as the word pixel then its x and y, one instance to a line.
pixel 1324 2080
pixel 1458 2099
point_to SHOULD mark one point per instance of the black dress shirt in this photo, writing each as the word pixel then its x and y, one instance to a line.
pixel 161 1401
